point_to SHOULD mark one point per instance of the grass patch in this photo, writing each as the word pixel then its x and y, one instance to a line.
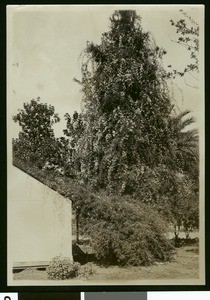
pixel 185 265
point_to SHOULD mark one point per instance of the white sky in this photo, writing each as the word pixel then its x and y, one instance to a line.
pixel 46 42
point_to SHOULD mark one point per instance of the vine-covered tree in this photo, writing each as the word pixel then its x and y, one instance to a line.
pixel 127 104
pixel 74 130
pixel 132 140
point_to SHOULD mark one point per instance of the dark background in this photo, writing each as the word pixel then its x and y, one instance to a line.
pixel 3 175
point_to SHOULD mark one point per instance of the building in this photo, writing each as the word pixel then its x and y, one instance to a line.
pixel 39 221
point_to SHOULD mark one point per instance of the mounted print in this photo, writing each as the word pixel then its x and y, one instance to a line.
pixel 105 144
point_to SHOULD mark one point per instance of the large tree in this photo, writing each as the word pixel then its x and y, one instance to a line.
pixel 127 104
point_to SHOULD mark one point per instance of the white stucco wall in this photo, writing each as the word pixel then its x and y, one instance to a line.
pixel 39 220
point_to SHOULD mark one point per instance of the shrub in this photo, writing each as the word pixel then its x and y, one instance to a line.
pixel 86 270
pixel 62 268
pixel 129 234
pixel 181 242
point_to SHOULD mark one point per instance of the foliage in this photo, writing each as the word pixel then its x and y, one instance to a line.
pixel 74 127
pixel 184 200
pixel 126 142
pixel 174 194
pixel 183 242
pixel 123 234
pixel 74 130
pixel 79 196
pixel 190 219
pixel 63 159
pixel 86 270
pixel 36 142
pixel 62 268
pixel 182 180
pixel 127 104
pixel 184 150
pixel 187 31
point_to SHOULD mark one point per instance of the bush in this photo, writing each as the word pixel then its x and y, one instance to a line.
pixel 86 270
pixel 181 242
pixel 129 234
pixel 62 268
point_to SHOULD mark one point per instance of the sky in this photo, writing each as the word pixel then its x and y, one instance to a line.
pixel 45 44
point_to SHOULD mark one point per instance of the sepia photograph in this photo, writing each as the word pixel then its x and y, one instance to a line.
pixel 105 145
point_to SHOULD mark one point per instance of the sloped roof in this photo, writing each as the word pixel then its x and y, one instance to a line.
pixel 61 184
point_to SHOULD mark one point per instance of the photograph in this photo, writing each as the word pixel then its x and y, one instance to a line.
pixel 105 145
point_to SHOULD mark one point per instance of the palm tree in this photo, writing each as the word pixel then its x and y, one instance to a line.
pixel 184 148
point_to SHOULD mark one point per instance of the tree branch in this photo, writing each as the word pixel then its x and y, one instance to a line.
pixel 193 76
pixel 192 86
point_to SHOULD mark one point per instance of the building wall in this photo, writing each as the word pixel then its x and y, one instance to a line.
pixel 39 221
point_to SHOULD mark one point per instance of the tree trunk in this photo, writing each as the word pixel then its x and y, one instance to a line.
pixel 176 233
pixel 77 228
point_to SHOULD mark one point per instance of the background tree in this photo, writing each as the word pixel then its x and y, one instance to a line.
pixel 36 142
pixel 184 165
pixel 187 32
pixel 184 151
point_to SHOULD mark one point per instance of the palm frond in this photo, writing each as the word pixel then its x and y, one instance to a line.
pixel 187 122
